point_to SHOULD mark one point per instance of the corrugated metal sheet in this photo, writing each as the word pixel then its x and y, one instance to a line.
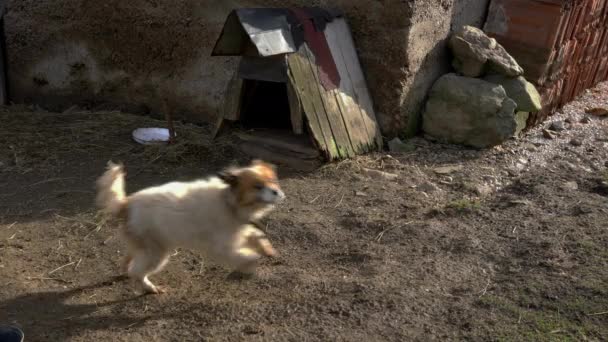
pixel 561 44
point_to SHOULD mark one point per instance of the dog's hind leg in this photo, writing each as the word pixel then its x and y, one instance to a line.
pixel 145 263
pixel 245 260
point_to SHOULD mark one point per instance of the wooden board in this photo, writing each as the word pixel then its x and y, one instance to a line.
pixel 284 140
pixel 295 108
pixel 3 63
pixel 305 86
pixel 320 106
pixel 353 83
pixel 332 109
pixel 232 100
pixel 358 130
pixel 231 109
pixel 280 148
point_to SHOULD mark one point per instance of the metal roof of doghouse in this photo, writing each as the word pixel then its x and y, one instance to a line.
pixel 312 51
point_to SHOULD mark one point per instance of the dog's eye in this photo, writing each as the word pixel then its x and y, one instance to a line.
pixel 259 186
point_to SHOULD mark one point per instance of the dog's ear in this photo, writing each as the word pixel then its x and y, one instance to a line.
pixel 229 176
pixel 259 162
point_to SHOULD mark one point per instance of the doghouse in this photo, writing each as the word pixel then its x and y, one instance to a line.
pixel 3 70
pixel 299 88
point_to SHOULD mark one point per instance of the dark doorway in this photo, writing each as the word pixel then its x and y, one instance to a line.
pixel 265 106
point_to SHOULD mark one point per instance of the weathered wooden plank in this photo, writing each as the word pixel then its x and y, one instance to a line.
pixel 360 135
pixel 295 108
pixel 332 110
pixel 297 144
pixel 305 85
pixel 232 100
pixel 279 157
pixel 3 72
pixel 355 72
pixel 219 124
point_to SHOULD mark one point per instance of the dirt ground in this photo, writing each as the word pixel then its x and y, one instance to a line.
pixel 507 244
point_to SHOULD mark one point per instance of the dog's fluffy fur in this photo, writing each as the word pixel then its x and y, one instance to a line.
pixel 214 215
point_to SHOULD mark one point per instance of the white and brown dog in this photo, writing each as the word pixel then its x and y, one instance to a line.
pixel 215 216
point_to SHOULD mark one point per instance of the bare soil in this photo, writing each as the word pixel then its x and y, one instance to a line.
pixel 509 243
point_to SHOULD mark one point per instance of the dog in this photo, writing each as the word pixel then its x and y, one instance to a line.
pixel 216 216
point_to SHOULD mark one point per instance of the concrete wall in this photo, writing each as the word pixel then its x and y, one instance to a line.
pixel 130 54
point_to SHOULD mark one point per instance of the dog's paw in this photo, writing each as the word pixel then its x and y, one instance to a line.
pixel 155 291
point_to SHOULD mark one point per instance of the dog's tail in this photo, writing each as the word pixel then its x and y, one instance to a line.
pixel 111 196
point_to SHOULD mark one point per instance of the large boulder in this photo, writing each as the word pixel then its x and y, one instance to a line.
pixel 469 111
pixel 475 54
pixel 521 118
pixel 519 90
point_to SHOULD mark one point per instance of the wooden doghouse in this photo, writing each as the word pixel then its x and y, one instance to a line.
pixel 300 72
pixel 3 58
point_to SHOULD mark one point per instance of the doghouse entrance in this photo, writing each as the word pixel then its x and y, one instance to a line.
pixel 265 106
pixel 267 130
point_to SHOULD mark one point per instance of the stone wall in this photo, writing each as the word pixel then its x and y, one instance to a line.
pixel 130 54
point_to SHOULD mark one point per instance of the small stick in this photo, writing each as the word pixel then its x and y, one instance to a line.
pixel 485 289
pixel 78 263
pixel 145 167
pixel 11 225
pixel 341 199
pixel 381 234
pixel 50 180
pixel 598 313
pixel 76 220
pixel 97 229
pixel 315 199
pixel 60 267
pixel 47 278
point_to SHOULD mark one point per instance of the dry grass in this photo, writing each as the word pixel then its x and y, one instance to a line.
pixel 40 139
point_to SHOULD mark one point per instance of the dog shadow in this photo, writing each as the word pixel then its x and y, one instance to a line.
pixel 49 316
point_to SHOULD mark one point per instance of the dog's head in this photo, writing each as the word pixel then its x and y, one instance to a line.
pixel 254 186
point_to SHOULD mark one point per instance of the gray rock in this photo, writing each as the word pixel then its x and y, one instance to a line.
pixel 519 90
pixel 576 142
pixel 529 147
pixel 468 111
pixel 475 53
pixel 521 118
pixel 480 189
pixel 570 186
pixel 377 174
pixel 396 145
pixel 427 187
pixel 557 126
pixel 547 134
pixel 446 170
pixel 483 189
